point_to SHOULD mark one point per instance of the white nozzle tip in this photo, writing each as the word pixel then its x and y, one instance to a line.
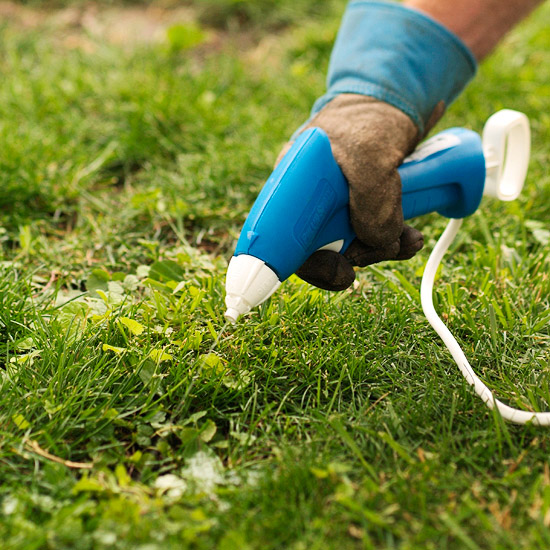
pixel 232 315
pixel 249 282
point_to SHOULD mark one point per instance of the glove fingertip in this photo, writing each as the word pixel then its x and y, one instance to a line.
pixel 327 270
pixel 411 242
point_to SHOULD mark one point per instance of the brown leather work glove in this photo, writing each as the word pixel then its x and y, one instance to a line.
pixel 369 141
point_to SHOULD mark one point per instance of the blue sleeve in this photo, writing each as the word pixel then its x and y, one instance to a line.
pixel 398 55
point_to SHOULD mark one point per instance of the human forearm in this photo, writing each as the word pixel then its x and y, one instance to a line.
pixel 479 23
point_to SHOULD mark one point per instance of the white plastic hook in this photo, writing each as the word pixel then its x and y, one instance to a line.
pixel 507 146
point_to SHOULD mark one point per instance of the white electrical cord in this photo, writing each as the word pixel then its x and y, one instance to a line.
pixel 508 413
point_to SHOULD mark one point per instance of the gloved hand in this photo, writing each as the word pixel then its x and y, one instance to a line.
pixel 369 140
pixel 392 72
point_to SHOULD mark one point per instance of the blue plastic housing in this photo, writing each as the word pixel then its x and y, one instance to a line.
pixel 444 175
pixel 304 204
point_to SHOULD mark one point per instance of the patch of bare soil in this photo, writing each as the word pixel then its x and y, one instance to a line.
pixel 81 26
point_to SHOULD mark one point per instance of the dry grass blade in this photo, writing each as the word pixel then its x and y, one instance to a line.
pixel 34 447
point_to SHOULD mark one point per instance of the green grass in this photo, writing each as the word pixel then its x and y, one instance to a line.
pixel 128 420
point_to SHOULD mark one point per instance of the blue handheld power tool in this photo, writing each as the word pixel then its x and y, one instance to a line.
pixel 304 205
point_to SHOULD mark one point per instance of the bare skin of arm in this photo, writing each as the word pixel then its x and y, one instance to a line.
pixel 480 24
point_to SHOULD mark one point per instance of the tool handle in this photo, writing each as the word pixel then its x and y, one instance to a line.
pixel 446 174
pixel 304 205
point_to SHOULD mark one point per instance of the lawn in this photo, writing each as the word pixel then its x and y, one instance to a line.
pixel 131 417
